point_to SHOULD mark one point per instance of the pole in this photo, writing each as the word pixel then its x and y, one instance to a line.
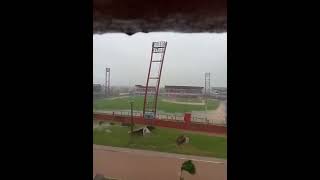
pixel 206 108
pixel 131 118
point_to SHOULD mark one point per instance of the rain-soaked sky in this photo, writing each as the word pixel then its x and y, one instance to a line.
pixel 188 57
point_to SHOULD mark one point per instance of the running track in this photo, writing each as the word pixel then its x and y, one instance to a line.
pixel 130 164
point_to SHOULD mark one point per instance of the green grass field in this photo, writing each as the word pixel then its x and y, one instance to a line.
pixel 195 100
pixel 121 104
pixel 162 139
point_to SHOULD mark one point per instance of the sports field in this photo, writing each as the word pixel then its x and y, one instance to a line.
pixel 161 139
pixel 123 104
pixel 195 100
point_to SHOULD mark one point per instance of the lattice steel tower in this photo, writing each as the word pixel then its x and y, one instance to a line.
pixel 107 83
pixel 207 84
pixel 154 74
pixel 206 91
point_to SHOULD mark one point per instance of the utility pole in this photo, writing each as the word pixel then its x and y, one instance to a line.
pixel 207 90
pixel 107 83
pixel 131 104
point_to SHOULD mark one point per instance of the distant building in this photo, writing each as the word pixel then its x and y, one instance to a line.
pixel 219 93
pixel 183 91
pixel 139 90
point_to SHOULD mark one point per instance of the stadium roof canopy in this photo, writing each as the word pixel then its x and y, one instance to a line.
pixel 183 87
pixel 140 86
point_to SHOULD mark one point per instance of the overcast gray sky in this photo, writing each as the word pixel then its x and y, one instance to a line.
pixel 187 58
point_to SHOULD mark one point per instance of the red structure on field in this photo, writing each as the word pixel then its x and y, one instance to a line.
pixel 156 62
pixel 187 119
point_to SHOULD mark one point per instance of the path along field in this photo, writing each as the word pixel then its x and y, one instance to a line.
pixel 127 164
pixel 169 107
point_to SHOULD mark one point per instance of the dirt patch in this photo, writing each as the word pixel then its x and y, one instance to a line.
pixel 217 116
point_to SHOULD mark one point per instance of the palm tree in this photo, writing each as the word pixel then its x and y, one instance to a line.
pixel 189 167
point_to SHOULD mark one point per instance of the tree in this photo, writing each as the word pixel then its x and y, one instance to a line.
pixel 189 167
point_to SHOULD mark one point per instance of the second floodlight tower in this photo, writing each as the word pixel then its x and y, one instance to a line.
pixel 151 92
pixel 207 90
pixel 107 83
